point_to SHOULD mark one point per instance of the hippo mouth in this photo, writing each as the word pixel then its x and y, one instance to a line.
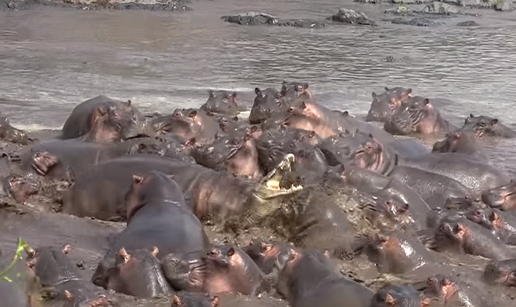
pixel 279 181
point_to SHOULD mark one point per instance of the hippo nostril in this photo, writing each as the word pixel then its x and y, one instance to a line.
pixel 290 110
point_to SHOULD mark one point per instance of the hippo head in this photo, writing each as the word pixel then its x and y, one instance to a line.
pixel 388 253
pixel 371 154
pixel 190 299
pixel 186 272
pixel 293 90
pixel 228 124
pixel 450 235
pixel 400 93
pixel 222 102
pixel 264 254
pixel 451 142
pixel 500 273
pixel 388 214
pixel 481 125
pixel 20 188
pixel 11 134
pixel 502 197
pixel 138 274
pixel 399 296
pixel 146 145
pixel 484 217
pixel 154 184
pixel 414 116
pixel 106 125
pixel 439 286
pixel 267 103
pixel 51 264
pixel 183 123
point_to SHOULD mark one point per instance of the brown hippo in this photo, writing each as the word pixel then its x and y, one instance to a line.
pixel 222 102
pixel 83 117
pixel 485 126
pixel 399 296
pixel 453 293
pixel 385 104
pixel 501 272
pixel 292 90
pixel 462 142
pixel 156 209
pixel 264 254
pixel 267 103
pixel 502 197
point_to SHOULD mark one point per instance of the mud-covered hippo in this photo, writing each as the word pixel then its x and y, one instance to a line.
pixel 485 126
pixel 451 292
pixel 99 192
pixel 501 272
pixel 186 124
pixel 387 103
pixel 157 216
pixel 399 296
pixel 418 115
pixel 58 273
pixel 222 102
pixel 301 270
pixel 267 103
pixel 86 113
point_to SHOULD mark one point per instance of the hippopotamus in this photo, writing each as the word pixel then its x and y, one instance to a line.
pixel 265 254
pixel 223 102
pixel 450 292
pixel 292 90
pixel 385 104
pixel 417 115
pixel 192 299
pixel 106 128
pixel 186 124
pixel 502 197
pixel 397 253
pixel 310 162
pixel 501 272
pixel 467 237
pixel 56 271
pixel 487 126
pixel 387 214
pixel 139 274
pixel 157 216
pixel 99 192
pixel 216 270
pixel 302 270
pixel 462 142
pixel 20 188
pixel 502 223
pixel 307 115
pixel 10 134
pixel 148 145
pixel 85 114
pixel 399 296
pixel 267 103
pixel 234 153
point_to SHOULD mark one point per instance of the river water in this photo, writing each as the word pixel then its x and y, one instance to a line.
pixel 51 59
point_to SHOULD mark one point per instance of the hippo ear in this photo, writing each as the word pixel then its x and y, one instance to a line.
pixel 390 300
pixel 494 121
pixel 235 118
pixel 138 179
pixel 293 254
pixel 257 91
pixel 67 248
pixel 426 101
pixel 387 89
pixel 128 103
pixel 190 142
pixel 101 111
pixel 311 134
pixel 155 251
pixel 253 129
pixel 215 301
pixel 231 252
pixel 345 113
pixel 124 255
pixel 425 302
pixel 211 94
pixel 176 300
pixel 303 105
pixel 305 86
pixel 233 95
pixel 68 295
pixel 471 115
pixel 409 91
pixel 192 113
pixel 266 247
pixel 373 94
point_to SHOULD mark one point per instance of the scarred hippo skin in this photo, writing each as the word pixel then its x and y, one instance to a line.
pixel 484 126
pixel 265 254
pixel 417 115
pixel 267 103
pixel 501 273
pixel 466 237
pixel 231 270
pixel 223 102
pixel 399 296
pixel 475 175
pixel 302 270
pixel 461 142
pixel 139 274
pixel 186 124
pixel 84 115
pixel 58 273
pixel 10 134
pixel 502 197
pixel 234 153
pixel 451 293
pixel 109 180
pixel 433 188
pixel 377 184
pixel 398 253
pixel 385 104
pixel 157 216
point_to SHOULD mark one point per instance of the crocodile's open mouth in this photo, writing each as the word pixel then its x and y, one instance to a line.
pixel 281 180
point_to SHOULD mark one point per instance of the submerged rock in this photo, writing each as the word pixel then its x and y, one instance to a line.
pixel 468 23
pixel 350 16
pixel 440 8
pixel 418 21
pixel 151 5
pixel 258 18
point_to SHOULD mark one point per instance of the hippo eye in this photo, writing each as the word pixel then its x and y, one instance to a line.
pixel 482 123
pixel 141 146
pixel 230 252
